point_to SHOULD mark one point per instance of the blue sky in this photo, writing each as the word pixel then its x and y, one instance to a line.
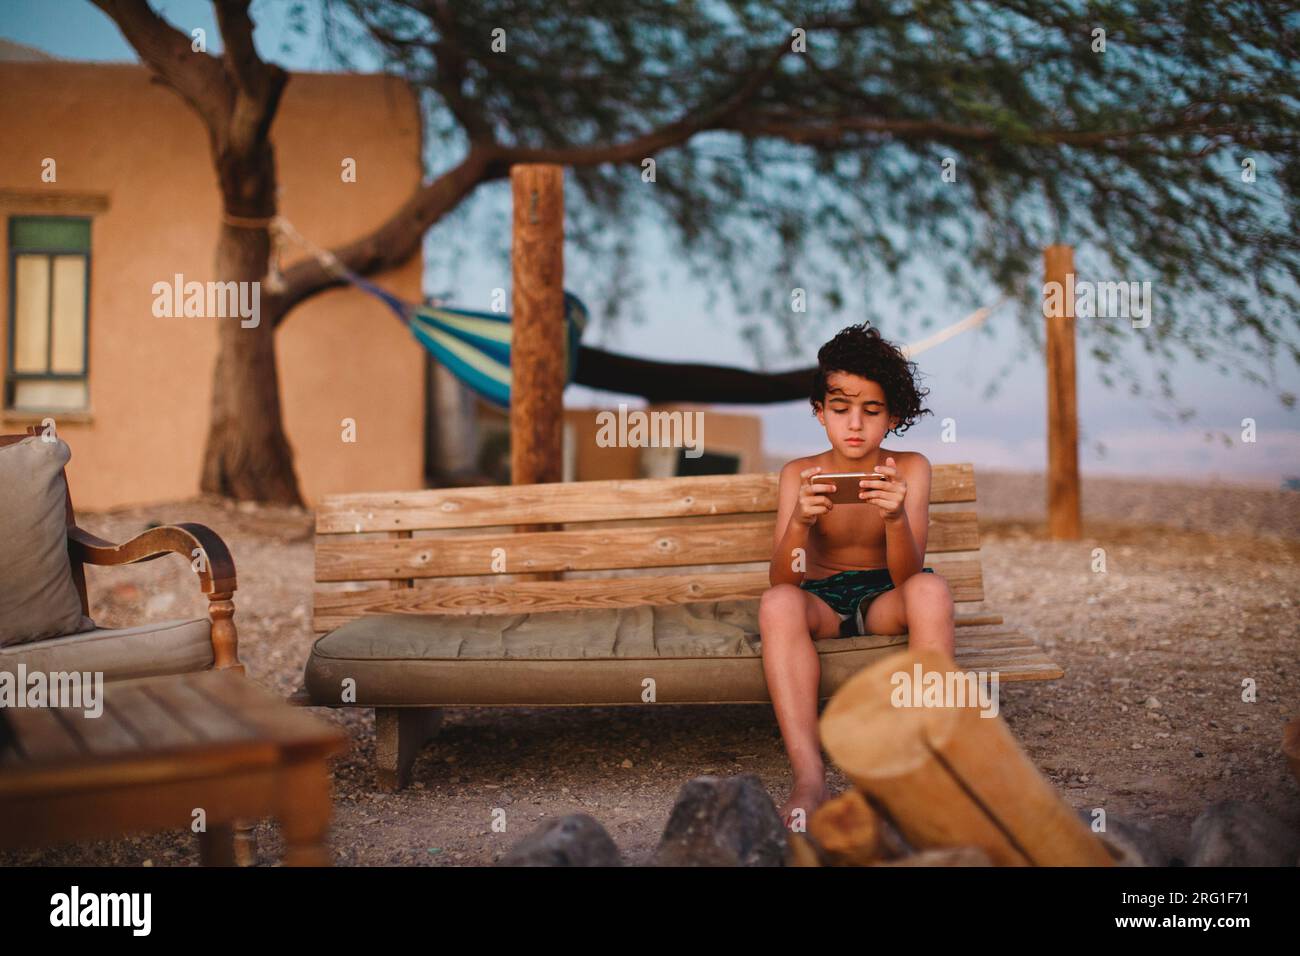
pixel 1006 430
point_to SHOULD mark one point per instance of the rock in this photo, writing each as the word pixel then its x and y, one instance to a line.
pixel 945 856
pixel 573 840
pixel 1235 833
pixel 1130 843
pixel 719 821
pixel 1151 703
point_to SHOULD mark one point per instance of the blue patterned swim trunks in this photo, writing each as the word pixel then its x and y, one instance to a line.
pixel 850 592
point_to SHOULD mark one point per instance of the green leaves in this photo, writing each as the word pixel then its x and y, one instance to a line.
pixel 822 169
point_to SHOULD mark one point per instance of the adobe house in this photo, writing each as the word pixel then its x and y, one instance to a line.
pixel 131 202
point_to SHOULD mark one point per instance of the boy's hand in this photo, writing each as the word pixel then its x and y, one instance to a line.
pixel 886 495
pixel 812 498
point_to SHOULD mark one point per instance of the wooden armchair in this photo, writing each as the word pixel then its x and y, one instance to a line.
pixel 196 543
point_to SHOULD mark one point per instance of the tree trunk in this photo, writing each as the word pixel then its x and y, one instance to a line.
pixel 247 456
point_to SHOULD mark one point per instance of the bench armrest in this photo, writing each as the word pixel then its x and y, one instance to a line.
pixel 216 571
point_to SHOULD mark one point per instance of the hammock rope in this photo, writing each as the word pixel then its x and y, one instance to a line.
pixel 972 321
pixel 473 346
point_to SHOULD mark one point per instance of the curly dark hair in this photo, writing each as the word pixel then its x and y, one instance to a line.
pixel 859 350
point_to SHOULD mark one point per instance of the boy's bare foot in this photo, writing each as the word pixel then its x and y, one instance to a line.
pixel 807 795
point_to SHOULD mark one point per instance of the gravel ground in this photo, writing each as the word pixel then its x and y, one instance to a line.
pixel 1199 595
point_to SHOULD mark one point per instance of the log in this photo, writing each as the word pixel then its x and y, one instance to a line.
pixel 947 776
pixel 800 851
pixel 847 830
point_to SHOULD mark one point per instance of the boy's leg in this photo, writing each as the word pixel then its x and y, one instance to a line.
pixel 789 619
pixel 922 608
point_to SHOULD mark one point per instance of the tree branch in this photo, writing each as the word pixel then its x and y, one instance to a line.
pixel 449 53
pixel 197 77
pixel 257 84
pixel 834 133
pixel 692 121
pixel 397 239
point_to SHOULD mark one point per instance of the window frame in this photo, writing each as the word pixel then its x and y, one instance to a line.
pixel 12 375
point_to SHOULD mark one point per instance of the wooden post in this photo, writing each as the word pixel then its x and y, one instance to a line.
pixel 537 320
pixel 537 334
pixel 1064 521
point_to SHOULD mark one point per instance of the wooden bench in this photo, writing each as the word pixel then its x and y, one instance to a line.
pixel 448 554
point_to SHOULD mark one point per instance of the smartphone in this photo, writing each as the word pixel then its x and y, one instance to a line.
pixel 846 485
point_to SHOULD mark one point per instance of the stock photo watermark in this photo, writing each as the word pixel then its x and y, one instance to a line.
pixel 69 690
pixel 208 300
pixel 658 429
pixel 921 688
pixel 1099 300
pixel 75 908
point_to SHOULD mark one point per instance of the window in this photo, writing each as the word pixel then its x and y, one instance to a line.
pixel 49 296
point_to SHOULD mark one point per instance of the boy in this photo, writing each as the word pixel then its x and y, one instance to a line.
pixel 841 570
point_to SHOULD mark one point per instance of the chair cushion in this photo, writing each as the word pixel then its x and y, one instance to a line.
pixel 171 647
pixel 38 598
pixel 706 652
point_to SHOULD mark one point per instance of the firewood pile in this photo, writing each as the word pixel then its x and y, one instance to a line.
pixel 935 782
pixel 948 774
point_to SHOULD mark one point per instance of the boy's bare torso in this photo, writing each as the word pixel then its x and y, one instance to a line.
pixel 849 537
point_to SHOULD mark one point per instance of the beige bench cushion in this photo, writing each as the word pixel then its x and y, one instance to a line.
pixel 693 653
pixel 716 628
pixel 171 647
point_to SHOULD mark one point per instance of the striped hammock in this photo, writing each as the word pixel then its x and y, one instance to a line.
pixel 473 346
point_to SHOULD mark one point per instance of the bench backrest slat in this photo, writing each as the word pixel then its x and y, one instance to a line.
pixel 583 549
pixel 577 501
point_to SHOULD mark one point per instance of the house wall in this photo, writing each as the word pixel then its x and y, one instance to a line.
pixel 133 156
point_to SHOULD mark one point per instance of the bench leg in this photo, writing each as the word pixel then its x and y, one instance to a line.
pixel 217 845
pixel 229 844
pixel 246 843
pixel 400 734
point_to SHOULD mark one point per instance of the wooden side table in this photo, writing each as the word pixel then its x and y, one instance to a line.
pixel 163 748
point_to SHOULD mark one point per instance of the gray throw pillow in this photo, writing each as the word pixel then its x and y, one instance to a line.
pixel 38 598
